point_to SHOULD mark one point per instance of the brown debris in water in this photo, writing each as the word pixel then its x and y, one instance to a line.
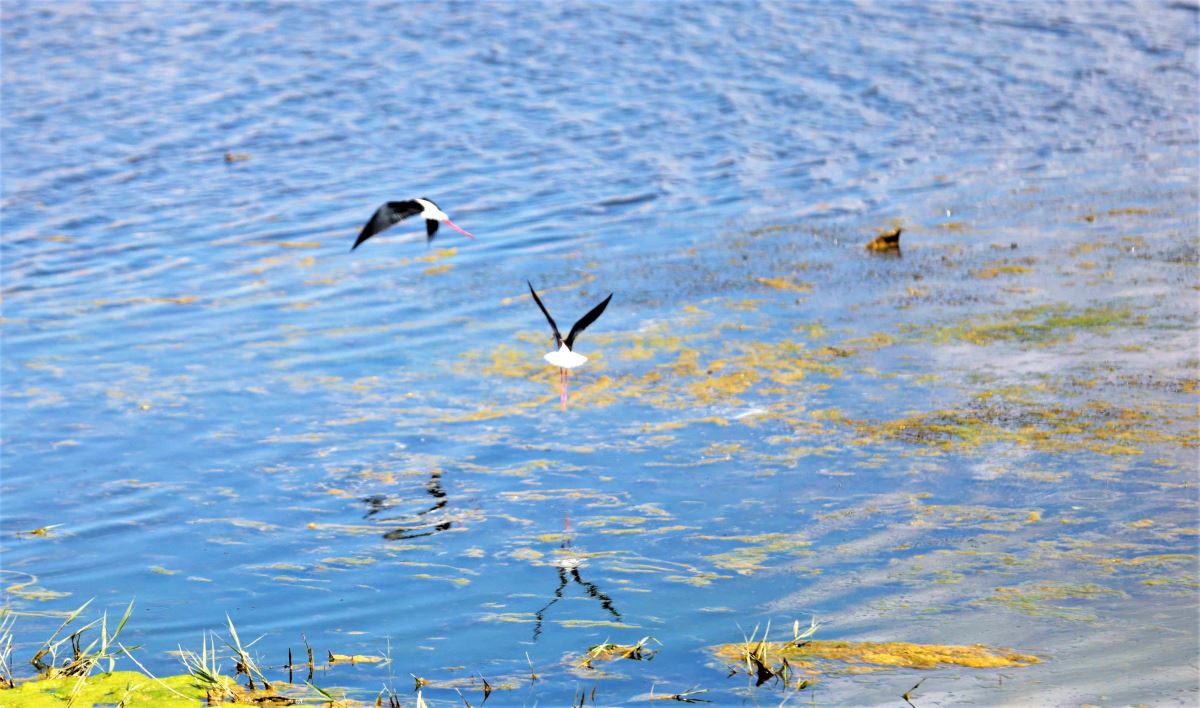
pixel 886 241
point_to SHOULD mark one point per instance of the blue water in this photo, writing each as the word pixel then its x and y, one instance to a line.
pixel 221 410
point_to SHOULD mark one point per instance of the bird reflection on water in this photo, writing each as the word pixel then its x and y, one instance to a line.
pixel 568 567
pixel 423 523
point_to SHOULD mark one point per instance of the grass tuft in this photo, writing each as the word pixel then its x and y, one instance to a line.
pixel 7 619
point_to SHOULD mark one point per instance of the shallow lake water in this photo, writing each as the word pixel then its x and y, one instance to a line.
pixel 214 408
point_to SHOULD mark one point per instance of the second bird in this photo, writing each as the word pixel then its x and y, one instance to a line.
pixel 395 212
pixel 565 358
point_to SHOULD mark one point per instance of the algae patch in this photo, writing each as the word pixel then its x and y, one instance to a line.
pixel 126 688
pixel 883 654
pixel 1046 599
pixel 1042 325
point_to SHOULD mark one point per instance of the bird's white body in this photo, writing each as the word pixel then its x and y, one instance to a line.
pixel 564 358
pixel 431 210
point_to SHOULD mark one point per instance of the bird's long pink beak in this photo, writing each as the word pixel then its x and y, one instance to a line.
pixel 455 226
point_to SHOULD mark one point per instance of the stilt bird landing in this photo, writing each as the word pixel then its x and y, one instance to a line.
pixel 565 358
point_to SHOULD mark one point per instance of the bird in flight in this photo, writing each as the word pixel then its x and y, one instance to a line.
pixel 564 357
pixel 395 212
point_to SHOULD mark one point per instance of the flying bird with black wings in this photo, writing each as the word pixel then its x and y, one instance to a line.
pixel 565 357
pixel 395 212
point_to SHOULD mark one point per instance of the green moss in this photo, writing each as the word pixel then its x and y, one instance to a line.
pixel 128 688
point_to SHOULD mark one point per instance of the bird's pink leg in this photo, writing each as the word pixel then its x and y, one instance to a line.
pixel 562 387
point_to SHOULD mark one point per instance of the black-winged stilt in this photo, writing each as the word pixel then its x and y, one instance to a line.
pixel 564 357
pixel 395 212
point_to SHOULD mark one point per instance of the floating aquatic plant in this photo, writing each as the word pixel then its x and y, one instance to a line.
pixel 764 660
pixel 609 651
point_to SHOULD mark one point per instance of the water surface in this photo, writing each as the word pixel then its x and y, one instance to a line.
pixel 990 438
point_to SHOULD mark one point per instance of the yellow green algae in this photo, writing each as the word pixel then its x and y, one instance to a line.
pixel 1047 599
pixel 787 284
pixel 1096 425
pixel 680 372
pixel 883 654
pixel 125 688
pixel 28 588
pixel 681 375
pixel 133 689
pixel 1001 268
pixel 1041 325
pixel 749 559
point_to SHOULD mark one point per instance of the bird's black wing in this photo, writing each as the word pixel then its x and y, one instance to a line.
pixel 430 229
pixel 385 216
pixel 585 321
pixel 538 300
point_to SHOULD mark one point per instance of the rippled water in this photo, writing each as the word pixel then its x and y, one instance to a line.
pixel 220 409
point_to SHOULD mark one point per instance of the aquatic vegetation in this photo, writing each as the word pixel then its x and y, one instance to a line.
pixel 7 618
pixel 83 659
pixel 205 670
pixel 1127 211
pixel 757 657
pixel 41 532
pixel 71 675
pixel 765 660
pixel 1047 598
pixel 609 651
pixel 1002 268
pixel 354 658
pixel 746 560
pixel 73 681
pixel 997 417
pixel 688 696
pixel 785 284
pixel 126 688
pixel 917 656
pixel 1036 326
pixel 29 589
